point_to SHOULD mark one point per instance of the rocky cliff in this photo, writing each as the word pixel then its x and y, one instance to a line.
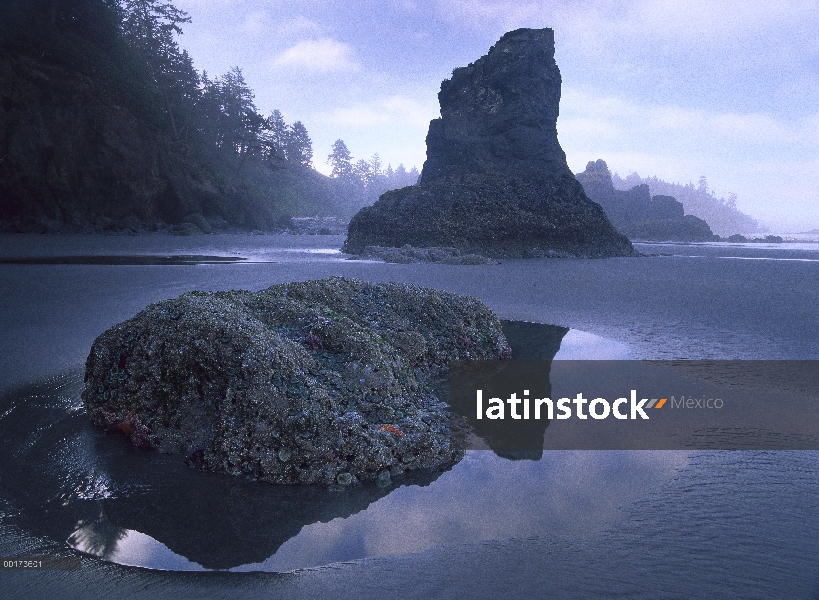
pixel 500 112
pixel 638 214
pixel 495 180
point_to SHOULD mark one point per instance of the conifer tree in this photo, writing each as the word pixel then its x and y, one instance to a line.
pixel 277 133
pixel 299 147
pixel 341 159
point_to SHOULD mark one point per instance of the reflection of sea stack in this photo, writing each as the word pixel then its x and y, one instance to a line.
pixel 495 181
pixel 534 346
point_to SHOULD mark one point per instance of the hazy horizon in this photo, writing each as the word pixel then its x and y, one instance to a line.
pixel 673 91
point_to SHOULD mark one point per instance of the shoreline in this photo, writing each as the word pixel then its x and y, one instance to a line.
pixel 340 230
pixel 639 303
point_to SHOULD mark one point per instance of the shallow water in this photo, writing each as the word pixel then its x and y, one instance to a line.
pixel 73 483
pixel 591 524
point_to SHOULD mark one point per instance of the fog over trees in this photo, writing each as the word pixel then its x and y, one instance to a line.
pixel 721 214
pixel 363 181
pixel 222 111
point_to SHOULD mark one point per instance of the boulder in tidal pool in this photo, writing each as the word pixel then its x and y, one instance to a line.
pixel 327 381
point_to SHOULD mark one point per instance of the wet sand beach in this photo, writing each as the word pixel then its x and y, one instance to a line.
pixel 575 524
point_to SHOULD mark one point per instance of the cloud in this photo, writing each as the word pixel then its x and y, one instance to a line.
pixel 611 117
pixel 296 26
pixel 674 18
pixel 405 5
pixel 259 22
pixel 323 55
pixel 493 14
pixel 256 23
pixel 765 158
pixel 634 31
pixel 393 126
pixel 396 110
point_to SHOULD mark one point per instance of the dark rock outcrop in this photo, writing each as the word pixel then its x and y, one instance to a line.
pixel 500 112
pixel 409 254
pixel 637 214
pixel 326 381
pixel 495 181
pixel 721 214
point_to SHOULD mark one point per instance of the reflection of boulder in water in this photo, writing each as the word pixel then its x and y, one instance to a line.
pixel 534 345
pixel 71 481
pixel 222 522
pixel 74 478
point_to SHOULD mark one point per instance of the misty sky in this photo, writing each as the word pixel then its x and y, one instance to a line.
pixel 676 89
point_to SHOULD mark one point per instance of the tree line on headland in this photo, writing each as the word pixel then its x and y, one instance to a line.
pixel 106 124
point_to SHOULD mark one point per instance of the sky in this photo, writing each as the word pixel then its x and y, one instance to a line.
pixel 667 88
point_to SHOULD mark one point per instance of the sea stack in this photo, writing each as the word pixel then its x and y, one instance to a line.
pixel 495 181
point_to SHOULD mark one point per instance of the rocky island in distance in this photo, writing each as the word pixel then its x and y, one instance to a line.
pixel 638 214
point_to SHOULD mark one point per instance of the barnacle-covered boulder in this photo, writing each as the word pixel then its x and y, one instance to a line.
pixel 327 381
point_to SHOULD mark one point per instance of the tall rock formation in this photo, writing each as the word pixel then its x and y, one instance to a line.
pixel 500 112
pixel 495 181
pixel 638 214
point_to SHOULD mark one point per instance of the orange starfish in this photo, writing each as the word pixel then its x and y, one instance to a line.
pixel 392 429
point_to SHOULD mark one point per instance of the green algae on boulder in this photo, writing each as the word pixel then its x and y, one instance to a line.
pixel 326 381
